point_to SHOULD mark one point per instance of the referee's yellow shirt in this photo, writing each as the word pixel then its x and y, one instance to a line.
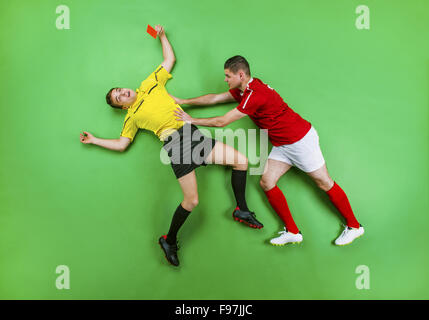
pixel 153 108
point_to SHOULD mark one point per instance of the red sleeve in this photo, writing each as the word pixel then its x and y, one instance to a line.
pixel 250 103
pixel 236 94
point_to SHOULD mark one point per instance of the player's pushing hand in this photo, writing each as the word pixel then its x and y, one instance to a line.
pixel 182 116
pixel 177 100
pixel 86 138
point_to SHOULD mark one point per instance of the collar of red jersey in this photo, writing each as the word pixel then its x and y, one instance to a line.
pixel 247 86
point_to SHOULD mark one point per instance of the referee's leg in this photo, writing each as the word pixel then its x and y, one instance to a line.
pixel 168 242
pixel 188 183
pixel 226 155
pixel 223 154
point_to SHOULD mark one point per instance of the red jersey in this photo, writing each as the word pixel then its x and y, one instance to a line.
pixel 268 111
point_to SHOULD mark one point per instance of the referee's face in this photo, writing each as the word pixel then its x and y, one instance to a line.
pixel 123 97
pixel 234 80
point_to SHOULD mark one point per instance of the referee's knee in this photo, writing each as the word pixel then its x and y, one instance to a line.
pixel 190 203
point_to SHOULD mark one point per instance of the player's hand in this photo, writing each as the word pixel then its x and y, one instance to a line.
pixel 86 138
pixel 182 116
pixel 177 100
pixel 159 30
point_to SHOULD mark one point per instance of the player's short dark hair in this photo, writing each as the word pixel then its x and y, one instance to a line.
pixel 237 63
pixel 109 99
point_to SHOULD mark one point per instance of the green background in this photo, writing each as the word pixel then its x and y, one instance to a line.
pixel 101 212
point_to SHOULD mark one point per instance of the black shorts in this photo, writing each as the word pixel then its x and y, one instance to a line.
pixel 187 149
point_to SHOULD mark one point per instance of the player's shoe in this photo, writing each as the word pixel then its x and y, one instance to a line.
pixel 348 235
pixel 247 217
pixel 170 251
pixel 286 237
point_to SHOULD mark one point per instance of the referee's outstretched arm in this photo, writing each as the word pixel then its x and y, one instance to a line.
pixel 120 144
pixel 167 49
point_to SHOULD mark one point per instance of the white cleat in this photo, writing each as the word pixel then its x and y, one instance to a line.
pixel 348 235
pixel 285 238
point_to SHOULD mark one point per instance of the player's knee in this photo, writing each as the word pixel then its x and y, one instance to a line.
pixel 324 184
pixel 266 184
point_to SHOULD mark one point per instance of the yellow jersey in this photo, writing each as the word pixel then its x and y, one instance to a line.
pixel 153 108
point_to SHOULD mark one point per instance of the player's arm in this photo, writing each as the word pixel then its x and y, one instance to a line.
pixel 206 100
pixel 221 121
pixel 167 49
pixel 120 144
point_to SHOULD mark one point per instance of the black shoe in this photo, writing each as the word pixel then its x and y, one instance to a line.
pixel 247 217
pixel 170 251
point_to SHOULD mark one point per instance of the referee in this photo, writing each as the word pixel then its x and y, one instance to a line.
pixel 150 107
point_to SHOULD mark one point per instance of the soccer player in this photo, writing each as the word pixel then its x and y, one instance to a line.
pixel 150 107
pixel 295 143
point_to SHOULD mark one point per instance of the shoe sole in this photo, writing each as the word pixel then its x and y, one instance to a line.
pixel 165 256
pixel 281 245
pixel 247 223
pixel 346 244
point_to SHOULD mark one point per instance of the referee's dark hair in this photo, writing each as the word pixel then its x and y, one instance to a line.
pixel 109 99
pixel 237 63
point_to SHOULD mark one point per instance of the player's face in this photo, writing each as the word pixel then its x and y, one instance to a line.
pixel 123 97
pixel 234 80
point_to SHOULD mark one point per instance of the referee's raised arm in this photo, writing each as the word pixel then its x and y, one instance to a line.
pixel 167 49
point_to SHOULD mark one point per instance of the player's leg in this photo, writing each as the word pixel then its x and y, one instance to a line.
pixel 188 183
pixel 223 154
pixel 321 178
pixel 272 173
pixel 274 170
pixel 339 199
pixel 308 157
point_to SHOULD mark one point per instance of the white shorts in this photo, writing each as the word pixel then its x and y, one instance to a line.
pixel 304 154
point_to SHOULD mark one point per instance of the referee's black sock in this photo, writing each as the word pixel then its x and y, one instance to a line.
pixel 238 181
pixel 179 218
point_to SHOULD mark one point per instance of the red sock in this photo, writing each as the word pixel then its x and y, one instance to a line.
pixel 339 198
pixel 278 202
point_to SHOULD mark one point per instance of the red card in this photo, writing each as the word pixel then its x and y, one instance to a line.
pixel 151 31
